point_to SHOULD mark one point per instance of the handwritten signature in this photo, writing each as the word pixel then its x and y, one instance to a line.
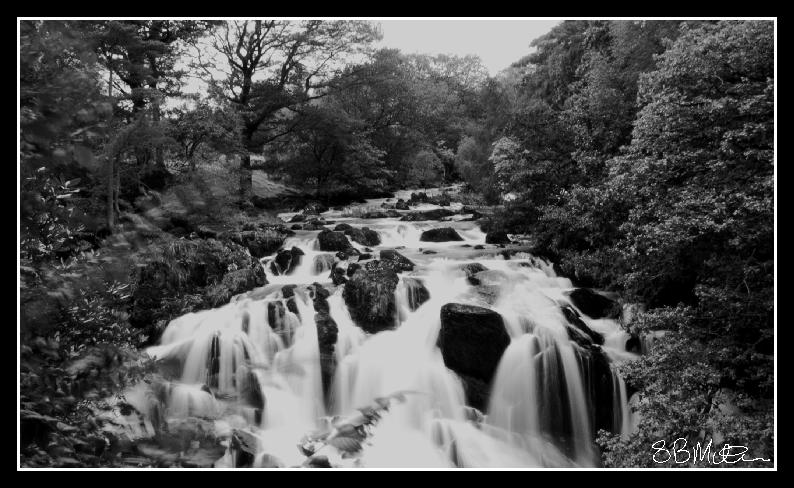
pixel 679 453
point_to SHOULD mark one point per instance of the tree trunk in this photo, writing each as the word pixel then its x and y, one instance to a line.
pixel 111 210
pixel 246 174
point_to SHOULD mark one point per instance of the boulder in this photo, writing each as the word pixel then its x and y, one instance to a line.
pixel 333 241
pixel 497 237
pixel 442 234
pixel 338 276
pixel 472 340
pixel 314 208
pixel 396 261
pixel 286 261
pixel 364 236
pixel 594 305
pixel 401 205
pixel 297 218
pixel 369 295
pixel 343 227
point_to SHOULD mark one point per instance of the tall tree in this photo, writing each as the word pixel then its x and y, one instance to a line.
pixel 278 65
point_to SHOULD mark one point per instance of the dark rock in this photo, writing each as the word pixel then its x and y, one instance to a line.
pixel 364 256
pixel 580 332
pixel 476 392
pixel 343 227
pixel 338 276
pixel 429 251
pixel 205 232
pixel 352 268
pixel 442 234
pixel 594 305
pixel 396 261
pixel 634 344
pixel 479 246
pixel 369 295
pixel 333 241
pixel 347 254
pixel 435 214
pixel 416 292
pixel 364 236
pixel 497 237
pixel 297 218
pixel 472 340
pixel 286 261
pixel 401 205
pixel 381 214
pixel 288 291
pixel 296 227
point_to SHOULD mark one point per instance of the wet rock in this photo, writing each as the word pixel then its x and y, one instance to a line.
pixel 429 251
pixel 323 262
pixel 472 340
pixel 580 332
pixel 364 236
pixel 296 227
pixel 396 261
pixel 338 276
pixel 347 254
pixel 401 205
pixel 418 197
pixel 243 447
pixel 594 305
pixel 369 295
pixel 634 344
pixel 497 237
pixel 416 292
pixel 333 241
pixel 472 269
pixel 434 214
pixel 381 214
pixel 442 234
pixel 479 246
pixel 476 392
pixel 297 218
pixel 288 291
pixel 286 261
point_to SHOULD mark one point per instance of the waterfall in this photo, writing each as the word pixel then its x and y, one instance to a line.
pixel 257 363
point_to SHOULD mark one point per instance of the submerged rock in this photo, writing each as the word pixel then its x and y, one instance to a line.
pixel 472 269
pixel 580 332
pixel 369 295
pixel 441 234
pixel 416 292
pixel 594 305
pixel 472 340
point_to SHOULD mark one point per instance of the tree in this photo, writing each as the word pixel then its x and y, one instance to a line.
pixel 426 169
pixel 275 66
pixel 202 125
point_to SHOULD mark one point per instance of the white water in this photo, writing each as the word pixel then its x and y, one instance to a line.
pixel 539 414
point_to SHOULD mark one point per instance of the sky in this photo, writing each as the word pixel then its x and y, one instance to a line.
pixel 498 43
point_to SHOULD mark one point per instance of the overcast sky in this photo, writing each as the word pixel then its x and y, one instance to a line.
pixel 498 43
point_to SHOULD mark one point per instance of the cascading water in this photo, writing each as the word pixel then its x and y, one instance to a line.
pixel 258 363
